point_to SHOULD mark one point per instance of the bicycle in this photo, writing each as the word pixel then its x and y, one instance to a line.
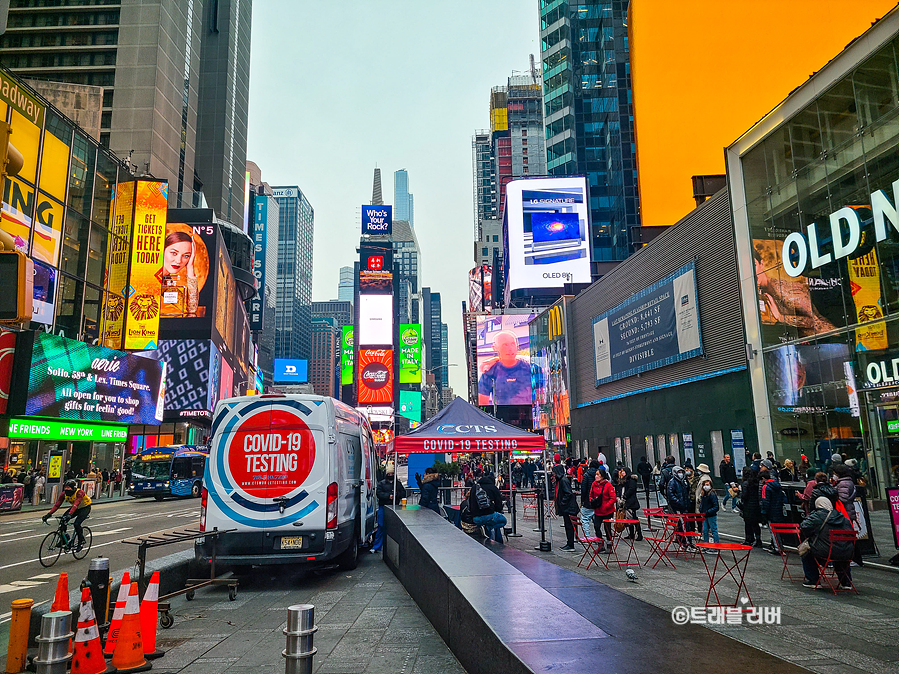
pixel 60 541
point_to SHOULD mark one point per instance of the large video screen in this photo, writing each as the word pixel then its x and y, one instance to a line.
pixel 375 320
pixel 504 368
pixel 548 232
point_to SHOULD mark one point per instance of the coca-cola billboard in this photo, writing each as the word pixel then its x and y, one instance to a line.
pixel 375 376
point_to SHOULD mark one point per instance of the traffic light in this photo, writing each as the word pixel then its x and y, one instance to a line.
pixel 11 160
pixel 17 281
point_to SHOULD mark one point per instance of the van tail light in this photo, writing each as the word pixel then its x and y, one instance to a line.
pixel 332 506
pixel 203 510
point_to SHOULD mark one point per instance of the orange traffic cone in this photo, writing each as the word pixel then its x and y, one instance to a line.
pixel 113 635
pixel 88 656
pixel 149 617
pixel 129 651
pixel 61 600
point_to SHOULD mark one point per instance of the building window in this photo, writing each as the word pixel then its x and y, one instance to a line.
pixel 483 251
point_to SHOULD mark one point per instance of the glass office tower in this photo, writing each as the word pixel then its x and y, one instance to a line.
pixel 588 113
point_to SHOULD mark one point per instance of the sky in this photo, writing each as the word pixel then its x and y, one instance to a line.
pixel 339 88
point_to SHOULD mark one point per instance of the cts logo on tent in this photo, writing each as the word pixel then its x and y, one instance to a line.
pixel 463 429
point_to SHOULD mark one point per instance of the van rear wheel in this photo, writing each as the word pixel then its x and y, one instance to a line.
pixel 349 558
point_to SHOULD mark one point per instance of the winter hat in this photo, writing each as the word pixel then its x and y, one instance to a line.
pixel 836 458
pixel 557 458
pixel 703 468
pixel 767 464
pixel 823 502
pixel 852 463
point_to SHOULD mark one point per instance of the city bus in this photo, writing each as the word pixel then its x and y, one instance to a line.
pixel 168 471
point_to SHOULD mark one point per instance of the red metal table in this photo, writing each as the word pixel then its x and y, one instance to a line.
pixel 629 542
pixel 734 569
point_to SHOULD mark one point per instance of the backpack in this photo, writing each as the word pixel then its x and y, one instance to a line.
pixel 482 497
pixel 664 479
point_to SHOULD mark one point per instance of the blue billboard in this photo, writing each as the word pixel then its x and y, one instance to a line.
pixel 259 233
pixel 291 371
pixel 377 220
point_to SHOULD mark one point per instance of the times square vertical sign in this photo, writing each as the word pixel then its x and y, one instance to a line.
pixel 260 227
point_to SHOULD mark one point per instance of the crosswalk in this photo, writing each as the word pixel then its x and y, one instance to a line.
pixel 33 581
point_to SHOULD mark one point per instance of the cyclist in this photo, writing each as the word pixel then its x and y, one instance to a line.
pixel 81 508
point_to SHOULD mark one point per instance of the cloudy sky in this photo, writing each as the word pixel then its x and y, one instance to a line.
pixel 339 88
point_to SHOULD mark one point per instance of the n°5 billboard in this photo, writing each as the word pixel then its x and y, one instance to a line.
pixel 377 220
pixel 410 353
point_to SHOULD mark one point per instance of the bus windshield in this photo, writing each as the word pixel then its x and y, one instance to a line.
pixel 156 469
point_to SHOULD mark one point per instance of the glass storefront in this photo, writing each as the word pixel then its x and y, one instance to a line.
pixel 827 288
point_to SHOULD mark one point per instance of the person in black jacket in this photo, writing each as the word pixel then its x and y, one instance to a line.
pixel 586 484
pixel 430 491
pixel 816 529
pixel 489 513
pixel 644 470
pixel 771 500
pixel 749 508
pixel 727 471
pixel 565 504
pixel 386 496
pixel 627 492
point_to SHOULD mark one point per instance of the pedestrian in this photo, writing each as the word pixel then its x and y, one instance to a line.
pixel 586 510
pixel 692 483
pixel 485 504
pixel 749 508
pixel 803 465
pixel 708 508
pixel 79 505
pixel 845 486
pixel 529 469
pixel 774 463
pixel 813 479
pixel 602 459
pixel 627 499
pixel 727 471
pixel 387 495
pixel 644 470
pixel 702 477
pixel 7 477
pixel 602 500
pixel 517 474
pixel 788 472
pixel 771 501
pixel 28 481
pixel 566 505
pixel 429 490
pixel 679 500
pixel 39 483
pixel 816 529
pixel 665 475
pixel 756 461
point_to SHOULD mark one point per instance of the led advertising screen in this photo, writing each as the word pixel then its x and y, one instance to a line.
pixel 72 380
pixel 410 405
pixel 480 288
pixel 548 232
pixel 549 368
pixel 375 376
pixel 144 281
pixel 191 372
pixel 504 368
pixel 657 326
pixel 259 234
pixel 346 355
pixel 291 371
pixel 117 258
pixel 410 353
pixel 375 320
pixel 377 220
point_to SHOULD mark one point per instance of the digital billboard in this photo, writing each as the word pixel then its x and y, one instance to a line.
pixel 549 368
pixel 259 234
pixel 144 278
pixel 410 405
pixel 191 373
pixel 346 355
pixel 657 326
pixel 480 288
pixel 410 353
pixel 377 220
pixel 503 355
pixel 548 232
pixel 73 380
pixel 117 259
pixel 375 376
pixel 291 371
pixel 375 320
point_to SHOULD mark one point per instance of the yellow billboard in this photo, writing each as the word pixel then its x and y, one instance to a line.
pixel 145 275
pixel 864 281
pixel 117 265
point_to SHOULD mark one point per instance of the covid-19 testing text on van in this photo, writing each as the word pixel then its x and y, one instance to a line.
pixel 293 476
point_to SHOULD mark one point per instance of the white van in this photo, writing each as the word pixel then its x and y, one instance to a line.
pixel 294 475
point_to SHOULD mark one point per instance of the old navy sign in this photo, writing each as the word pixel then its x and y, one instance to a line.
pixel 800 250
pixel 883 373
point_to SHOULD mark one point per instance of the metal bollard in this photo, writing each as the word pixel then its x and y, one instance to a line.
pixel 18 635
pixel 53 644
pixel 300 628
pixel 98 579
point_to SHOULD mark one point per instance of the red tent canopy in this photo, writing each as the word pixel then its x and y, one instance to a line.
pixel 462 427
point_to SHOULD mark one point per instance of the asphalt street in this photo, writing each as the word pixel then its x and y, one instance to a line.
pixel 21 574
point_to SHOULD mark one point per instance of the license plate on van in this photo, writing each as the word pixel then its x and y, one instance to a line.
pixel 291 542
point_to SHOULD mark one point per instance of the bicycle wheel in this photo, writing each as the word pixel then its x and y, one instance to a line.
pixel 51 548
pixel 88 539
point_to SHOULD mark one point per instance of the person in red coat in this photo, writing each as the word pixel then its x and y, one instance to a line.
pixel 602 500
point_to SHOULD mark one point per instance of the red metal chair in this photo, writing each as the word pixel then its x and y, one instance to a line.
pixel 779 532
pixel 528 505
pixel 685 537
pixel 591 544
pixel 828 573
pixel 658 545
pixel 658 513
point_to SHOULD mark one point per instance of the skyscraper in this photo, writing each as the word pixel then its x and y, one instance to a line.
pixel 345 285
pixel 407 267
pixel 293 309
pixel 175 78
pixel 432 336
pixel 402 198
pixel 589 115
pixel 325 356
pixel 376 197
